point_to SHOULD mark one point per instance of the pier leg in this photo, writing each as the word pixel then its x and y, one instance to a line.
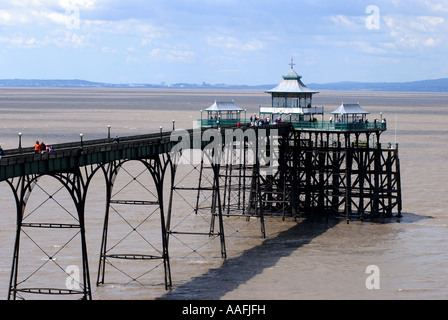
pixel 21 190
pixel 157 168
pixel 76 185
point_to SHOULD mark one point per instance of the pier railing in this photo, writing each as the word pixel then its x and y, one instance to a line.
pixel 216 123
pixel 327 125
pixel 320 125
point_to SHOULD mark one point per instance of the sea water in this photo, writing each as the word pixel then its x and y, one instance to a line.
pixel 404 258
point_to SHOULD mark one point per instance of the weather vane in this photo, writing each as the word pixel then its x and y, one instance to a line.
pixel 292 64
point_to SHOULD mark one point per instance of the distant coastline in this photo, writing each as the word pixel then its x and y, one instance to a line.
pixel 436 85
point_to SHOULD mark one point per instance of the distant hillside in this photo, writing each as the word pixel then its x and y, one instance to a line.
pixel 51 83
pixel 437 85
pixel 36 83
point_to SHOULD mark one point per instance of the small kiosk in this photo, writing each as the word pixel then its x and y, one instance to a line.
pixel 350 113
pixel 223 114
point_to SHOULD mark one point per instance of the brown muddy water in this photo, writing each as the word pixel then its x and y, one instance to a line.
pixel 297 260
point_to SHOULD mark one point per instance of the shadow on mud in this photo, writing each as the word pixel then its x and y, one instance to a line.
pixel 236 271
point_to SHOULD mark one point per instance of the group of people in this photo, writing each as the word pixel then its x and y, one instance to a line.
pixel 258 122
pixel 42 147
pixel 366 121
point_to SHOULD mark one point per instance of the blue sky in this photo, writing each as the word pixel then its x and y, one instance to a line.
pixel 223 41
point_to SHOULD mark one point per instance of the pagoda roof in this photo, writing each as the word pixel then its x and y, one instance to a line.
pixel 224 106
pixel 292 83
pixel 350 109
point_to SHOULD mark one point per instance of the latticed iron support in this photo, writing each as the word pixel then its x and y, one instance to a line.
pixel 330 173
pixel 76 185
pixel 345 174
pixel 157 166
pixel 207 188
pixel 247 181
pixel 76 182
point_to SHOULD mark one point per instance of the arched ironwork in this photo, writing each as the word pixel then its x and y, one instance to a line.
pixel 76 185
pixel 157 167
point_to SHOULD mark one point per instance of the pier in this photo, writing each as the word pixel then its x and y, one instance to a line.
pixel 288 163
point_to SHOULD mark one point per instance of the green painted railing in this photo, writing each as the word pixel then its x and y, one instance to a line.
pixel 320 125
pixel 215 123
pixel 69 156
pixel 327 125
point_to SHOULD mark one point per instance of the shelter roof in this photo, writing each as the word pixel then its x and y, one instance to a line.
pixel 292 83
pixel 224 106
pixel 350 109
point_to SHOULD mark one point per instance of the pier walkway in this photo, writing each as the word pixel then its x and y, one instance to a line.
pixel 68 156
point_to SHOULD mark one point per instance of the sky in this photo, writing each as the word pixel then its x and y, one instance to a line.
pixel 247 42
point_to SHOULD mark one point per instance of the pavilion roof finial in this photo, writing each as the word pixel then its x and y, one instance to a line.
pixel 292 64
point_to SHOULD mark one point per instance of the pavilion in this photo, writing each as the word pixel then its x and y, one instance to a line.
pixel 222 113
pixel 291 100
pixel 350 113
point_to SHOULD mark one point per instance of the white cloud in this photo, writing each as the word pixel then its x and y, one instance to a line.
pixel 417 31
pixel 32 16
pixel 342 20
pixel 5 17
pixel 81 4
pixel 431 21
pixel 76 40
pixel 13 18
pixel 172 54
pixel 19 41
pixel 430 42
pixel 437 7
pixel 108 50
pixel 46 22
pixel 222 35
pixel 50 17
pixel 132 27
pixel 28 4
pixel 132 59
pixel 365 47
pixel 350 23
pixel 235 45
pixel 59 39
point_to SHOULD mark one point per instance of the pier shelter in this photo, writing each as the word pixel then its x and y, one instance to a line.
pixel 222 113
pixel 350 113
pixel 292 101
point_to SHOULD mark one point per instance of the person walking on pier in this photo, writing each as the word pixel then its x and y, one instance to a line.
pixel 2 153
pixel 36 147
pixel 42 147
